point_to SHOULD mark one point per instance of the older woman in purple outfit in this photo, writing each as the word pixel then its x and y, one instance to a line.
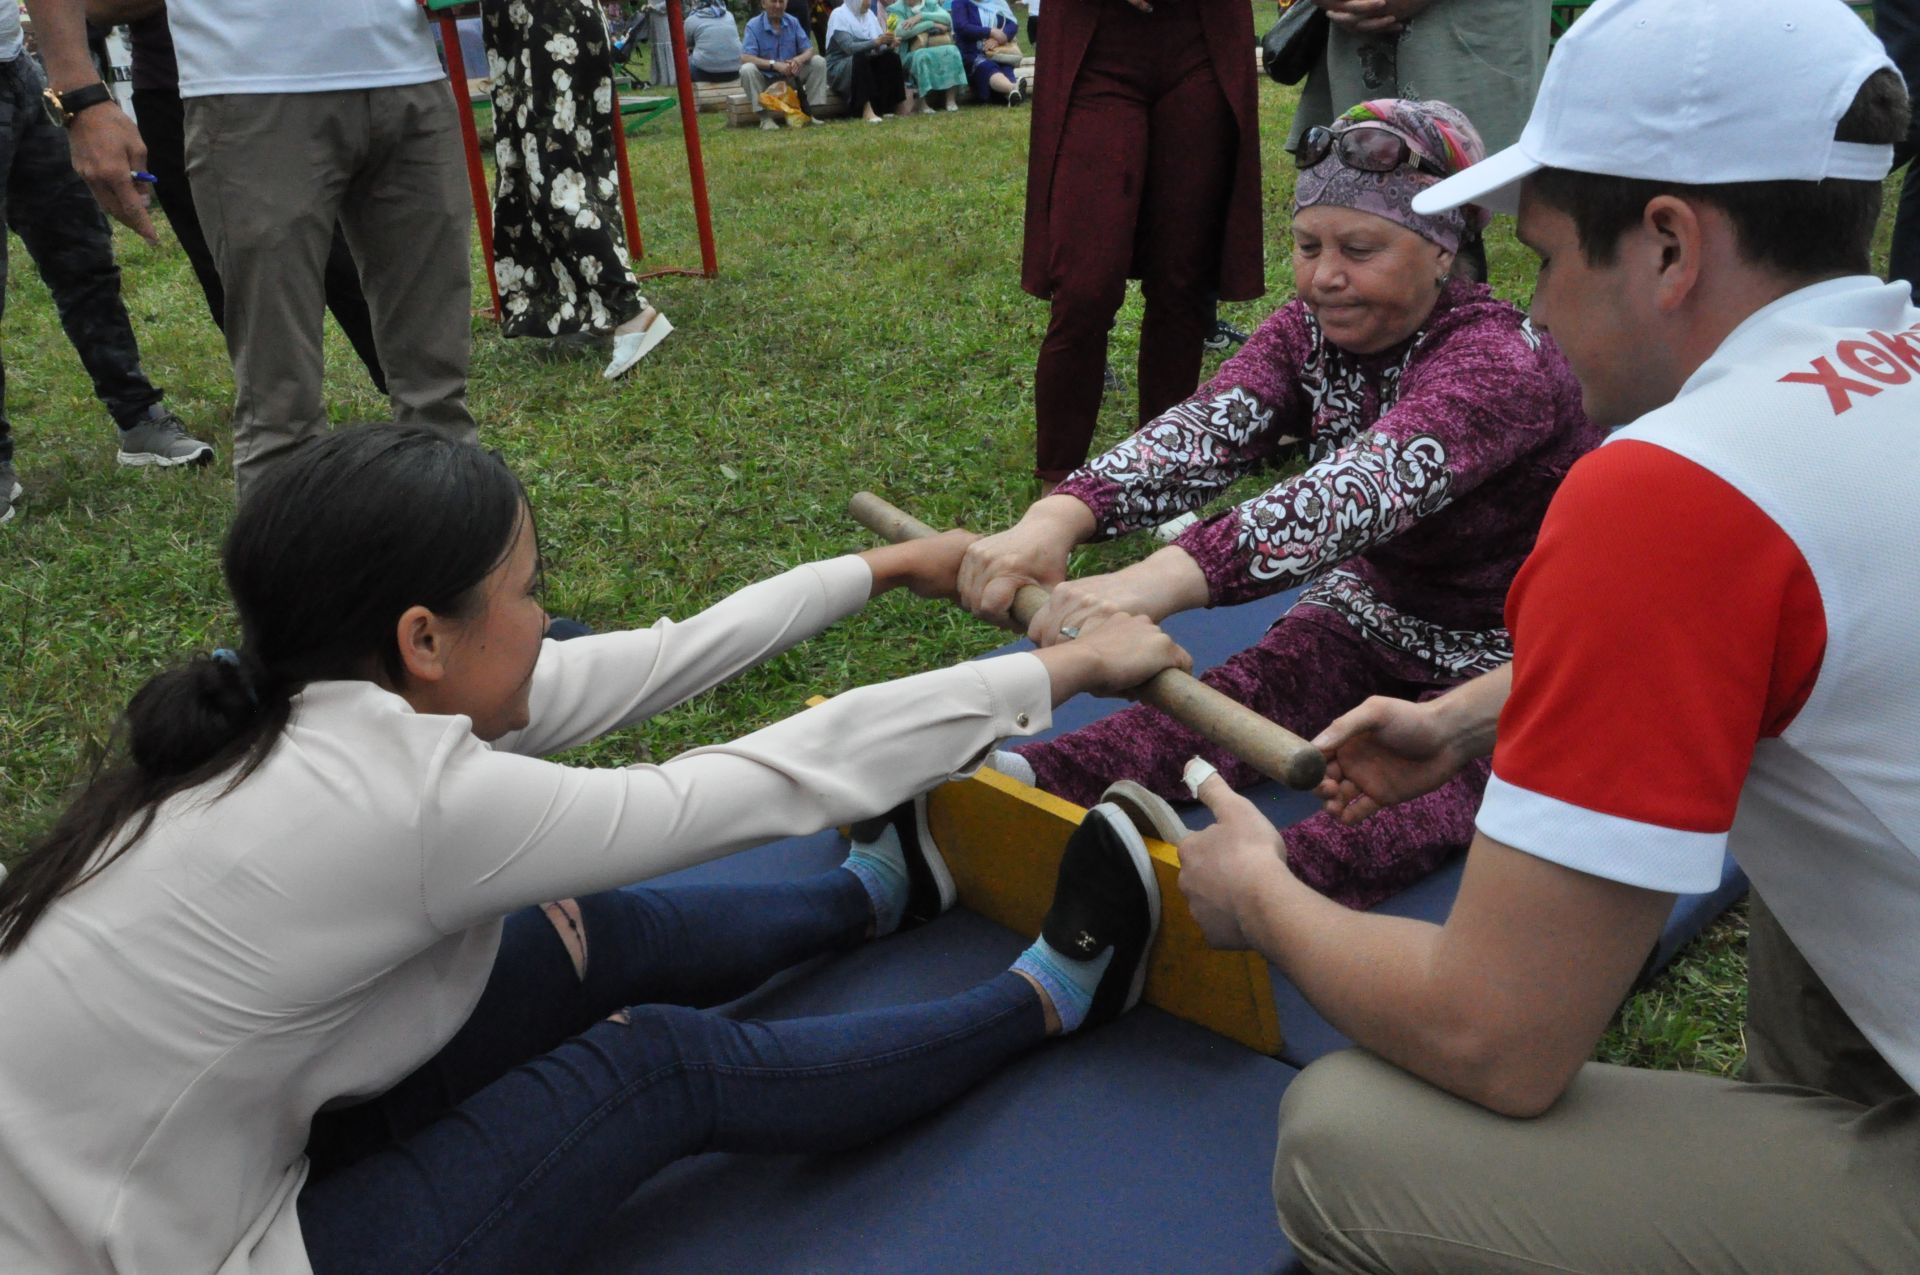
pixel 1434 424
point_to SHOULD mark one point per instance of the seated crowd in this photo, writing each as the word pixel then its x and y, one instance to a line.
pixel 905 58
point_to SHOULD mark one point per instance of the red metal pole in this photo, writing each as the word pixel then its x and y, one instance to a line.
pixel 476 175
pixel 690 126
pixel 635 248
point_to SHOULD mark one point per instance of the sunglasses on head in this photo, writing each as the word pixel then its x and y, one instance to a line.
pixel 1370 148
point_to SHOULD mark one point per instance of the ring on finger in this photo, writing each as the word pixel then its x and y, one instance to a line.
pixel 1069 631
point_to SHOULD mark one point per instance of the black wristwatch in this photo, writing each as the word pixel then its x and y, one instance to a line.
pixel 62 107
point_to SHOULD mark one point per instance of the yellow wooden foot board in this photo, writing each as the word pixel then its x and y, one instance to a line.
pixel 1003 841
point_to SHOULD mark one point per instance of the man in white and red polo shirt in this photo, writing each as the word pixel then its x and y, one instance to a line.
pixel 1716 647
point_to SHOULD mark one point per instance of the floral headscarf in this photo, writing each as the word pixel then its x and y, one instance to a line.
pixel 1438 133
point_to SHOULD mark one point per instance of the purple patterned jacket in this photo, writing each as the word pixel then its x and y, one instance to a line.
pixel 1429 466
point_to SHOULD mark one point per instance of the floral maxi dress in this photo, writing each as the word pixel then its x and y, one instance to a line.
pixel 560 253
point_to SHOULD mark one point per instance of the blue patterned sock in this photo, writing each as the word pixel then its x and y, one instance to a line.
pixel 1069 983
pixel 881 867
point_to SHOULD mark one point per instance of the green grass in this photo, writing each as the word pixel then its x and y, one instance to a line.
pixel 866 330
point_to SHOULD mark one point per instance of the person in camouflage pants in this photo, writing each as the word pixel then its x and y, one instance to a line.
pixel 68 237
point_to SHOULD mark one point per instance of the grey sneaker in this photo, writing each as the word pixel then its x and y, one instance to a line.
pixel 162 440
pixel 10 491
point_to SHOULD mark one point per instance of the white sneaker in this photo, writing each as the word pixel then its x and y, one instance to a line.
pixel 630 347
pixel 768 126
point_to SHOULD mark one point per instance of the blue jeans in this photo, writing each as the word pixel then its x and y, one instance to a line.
pixel 505 1151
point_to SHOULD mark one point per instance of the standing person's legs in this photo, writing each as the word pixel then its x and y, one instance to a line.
pixel 1797 1034
pixel 16 99
pixel 268 171
pixel 406 218
pixel 1630 1171
pixel 1192 149
pixel 349 307
pixel 163 128
pixel 1099 171
pixel 71 243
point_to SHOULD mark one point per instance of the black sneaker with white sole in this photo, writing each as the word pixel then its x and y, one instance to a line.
pixel 930 889
pixel 1106 897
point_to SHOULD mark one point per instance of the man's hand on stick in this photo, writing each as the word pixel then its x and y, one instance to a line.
pixel 1382 753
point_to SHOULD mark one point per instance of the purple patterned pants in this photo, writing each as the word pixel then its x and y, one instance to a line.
pixel 1307 670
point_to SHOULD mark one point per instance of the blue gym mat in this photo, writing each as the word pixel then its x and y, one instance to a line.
pixel 1150 1140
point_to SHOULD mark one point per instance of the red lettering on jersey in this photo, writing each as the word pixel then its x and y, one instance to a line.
pixel 1904 346
pixel 1870 360
pixel 1840 389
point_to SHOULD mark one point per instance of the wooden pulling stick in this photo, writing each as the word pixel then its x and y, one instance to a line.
pixel 1267 746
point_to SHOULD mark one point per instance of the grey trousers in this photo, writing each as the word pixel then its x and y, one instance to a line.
pixel 812 85
pixel 271 174
pixel 1631 1170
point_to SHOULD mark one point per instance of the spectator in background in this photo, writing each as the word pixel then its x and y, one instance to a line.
pixel 1485 57
pixel 1144 162
pixel 928 51
pixel 659 44
pixel 156 104
pixel 863 60
pixel 775 49
pixel 560 255
pixel 1897 23
pixel 44 201
pixel 350 122
pixel 982 28
pixel 713 43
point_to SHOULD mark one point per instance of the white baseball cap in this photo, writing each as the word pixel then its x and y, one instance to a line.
pixel 1690 91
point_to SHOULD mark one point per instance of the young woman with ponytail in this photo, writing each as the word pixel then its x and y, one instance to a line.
pixel 329 972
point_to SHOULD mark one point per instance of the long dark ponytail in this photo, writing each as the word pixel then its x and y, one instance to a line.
pixel 321 561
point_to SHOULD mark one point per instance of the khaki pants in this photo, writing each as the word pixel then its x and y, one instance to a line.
pixel 1631 1171
pixel 271 173
pixel 812 86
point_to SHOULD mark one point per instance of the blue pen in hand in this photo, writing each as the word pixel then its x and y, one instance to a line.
pixel 147 178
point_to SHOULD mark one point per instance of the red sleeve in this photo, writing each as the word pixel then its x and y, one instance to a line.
pixel 1663 625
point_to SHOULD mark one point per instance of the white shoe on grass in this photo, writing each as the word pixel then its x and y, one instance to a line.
pixel 630 347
